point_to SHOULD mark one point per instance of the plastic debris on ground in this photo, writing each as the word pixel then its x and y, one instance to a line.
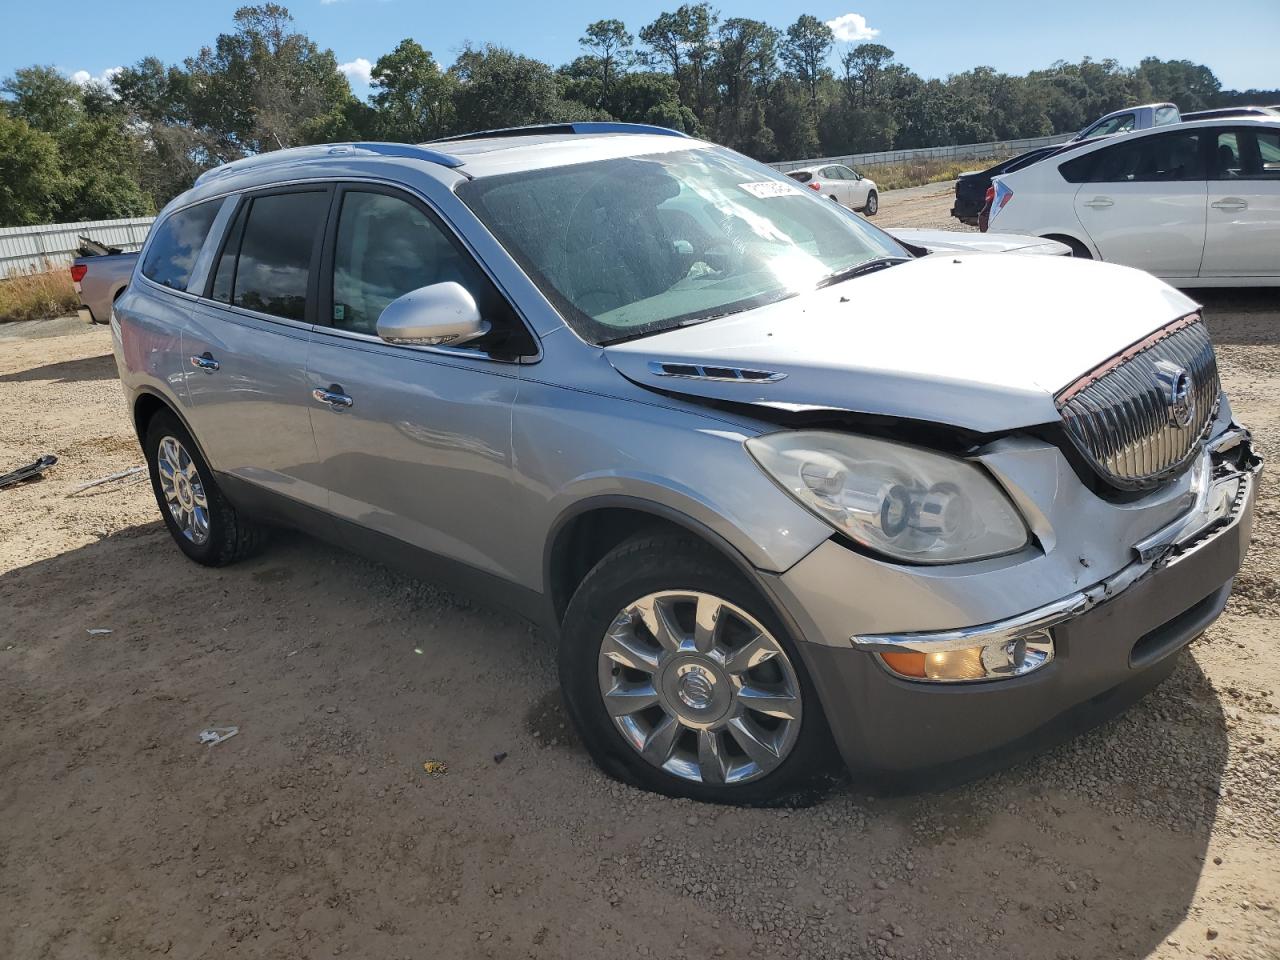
pixel 215 735
pixel 107 479
pixel 97 631
pixel 435 768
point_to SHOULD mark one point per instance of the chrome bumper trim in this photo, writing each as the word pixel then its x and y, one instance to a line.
pixel 1213 515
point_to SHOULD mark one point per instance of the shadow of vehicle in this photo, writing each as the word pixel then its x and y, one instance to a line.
pixel 67 371
pixel 318 822
pixel 1240 315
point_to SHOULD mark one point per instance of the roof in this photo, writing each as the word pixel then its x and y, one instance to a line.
pixel 456 151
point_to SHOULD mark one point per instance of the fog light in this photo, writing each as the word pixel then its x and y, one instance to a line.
pixel 1010 657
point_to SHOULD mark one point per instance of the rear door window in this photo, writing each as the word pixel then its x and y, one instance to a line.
pixel 173 250
pixel 1247 154
pixel 267 263
pixel 1167 157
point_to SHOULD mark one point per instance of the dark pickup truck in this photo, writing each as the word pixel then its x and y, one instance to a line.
pixel 971 188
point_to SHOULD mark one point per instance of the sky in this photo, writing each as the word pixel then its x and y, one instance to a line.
pixel 87 39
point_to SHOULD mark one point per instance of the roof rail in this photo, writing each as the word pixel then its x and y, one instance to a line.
pixel 590 126
pixel 262 161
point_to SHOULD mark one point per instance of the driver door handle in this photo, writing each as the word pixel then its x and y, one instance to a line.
pixel 1099 202
pixel 1230 203
pixel 333 396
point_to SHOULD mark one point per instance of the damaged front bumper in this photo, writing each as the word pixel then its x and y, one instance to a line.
pixel 1228 472
pixel 1098 648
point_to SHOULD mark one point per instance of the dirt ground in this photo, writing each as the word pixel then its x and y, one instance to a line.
pixel 316 832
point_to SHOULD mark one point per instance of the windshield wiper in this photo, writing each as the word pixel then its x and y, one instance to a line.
pixel 867 266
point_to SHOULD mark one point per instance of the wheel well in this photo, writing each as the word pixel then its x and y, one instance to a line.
pixel 586 538
pixel 146 407
pixel 1078 247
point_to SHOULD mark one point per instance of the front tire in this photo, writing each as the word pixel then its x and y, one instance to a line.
pixel 873 204
pixel 203 523
pixel 680 679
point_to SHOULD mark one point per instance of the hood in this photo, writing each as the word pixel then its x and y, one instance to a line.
pixel 955 241
pixel 977 342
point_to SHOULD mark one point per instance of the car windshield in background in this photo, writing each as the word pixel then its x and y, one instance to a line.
pixel 800 176
pixel 638 245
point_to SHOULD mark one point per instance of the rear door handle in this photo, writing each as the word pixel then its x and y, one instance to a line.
pixel 334 396
pixel 1230 203
pixel 1099 202
pixel 206 363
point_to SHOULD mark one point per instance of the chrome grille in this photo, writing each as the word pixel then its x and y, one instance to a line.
pixel 1130 416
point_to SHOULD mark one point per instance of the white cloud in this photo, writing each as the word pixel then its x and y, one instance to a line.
pixel 852 27
pixel 103 79
pixel 358 70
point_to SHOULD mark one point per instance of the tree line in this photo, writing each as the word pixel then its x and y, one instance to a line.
pixel 125 146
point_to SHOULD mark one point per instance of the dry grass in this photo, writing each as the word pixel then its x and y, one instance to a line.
pixel 892 176
pixel 41 295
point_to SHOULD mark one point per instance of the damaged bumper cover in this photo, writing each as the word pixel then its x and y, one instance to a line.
pixel 1111 643
pixel 1232 468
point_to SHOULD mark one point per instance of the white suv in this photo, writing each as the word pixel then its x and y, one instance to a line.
pixel 1197 204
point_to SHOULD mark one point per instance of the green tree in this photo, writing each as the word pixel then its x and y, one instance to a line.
pixel 1192 86
pixel 96 161
pixel 43 97
pixel 266 86
pixel 499 88
pixel 31 183
pixel 864 65
pixel 805 51
pixel 746 65
pixel 609 46
pixel 683 40
pixel 413 101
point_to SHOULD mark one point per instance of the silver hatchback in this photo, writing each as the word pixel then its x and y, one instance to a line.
pixel 786 493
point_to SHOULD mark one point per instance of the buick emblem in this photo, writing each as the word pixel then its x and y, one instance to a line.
pixel 1179 393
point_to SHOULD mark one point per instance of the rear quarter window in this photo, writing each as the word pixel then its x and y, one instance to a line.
pixel 173 250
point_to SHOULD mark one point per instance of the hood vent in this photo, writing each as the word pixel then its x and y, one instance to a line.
pixel 693 371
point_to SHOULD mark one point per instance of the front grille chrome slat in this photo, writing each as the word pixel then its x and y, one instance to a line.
pixel 1123 417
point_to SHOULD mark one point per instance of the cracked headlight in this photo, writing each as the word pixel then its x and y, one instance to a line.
pixel 904 502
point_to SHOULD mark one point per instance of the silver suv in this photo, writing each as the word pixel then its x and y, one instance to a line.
pixel 784 492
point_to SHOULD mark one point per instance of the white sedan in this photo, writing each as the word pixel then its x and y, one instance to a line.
pixel 1197 204
pixel 842 184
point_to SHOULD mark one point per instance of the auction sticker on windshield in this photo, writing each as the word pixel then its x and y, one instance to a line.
pixel 769 188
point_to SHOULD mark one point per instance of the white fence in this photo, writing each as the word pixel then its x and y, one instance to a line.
pixel 960 151
pixel 26 249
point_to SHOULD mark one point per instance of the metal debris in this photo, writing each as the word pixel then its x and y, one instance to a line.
pixel 29 471
pixel 215 735
pixel 97 631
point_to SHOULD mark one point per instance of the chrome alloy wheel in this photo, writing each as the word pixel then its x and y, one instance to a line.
pixel 699 688
pixel 183 490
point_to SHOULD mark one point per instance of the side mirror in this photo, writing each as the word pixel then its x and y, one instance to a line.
pixel 442 313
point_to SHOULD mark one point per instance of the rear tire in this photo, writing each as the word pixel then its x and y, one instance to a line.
pixel 701 735
pixel 201 520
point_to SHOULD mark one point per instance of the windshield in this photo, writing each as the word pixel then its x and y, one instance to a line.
pixel 636 245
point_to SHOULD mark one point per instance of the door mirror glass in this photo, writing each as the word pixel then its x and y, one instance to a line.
pixel 435 315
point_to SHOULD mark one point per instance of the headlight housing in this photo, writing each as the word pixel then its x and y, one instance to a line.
pixel 904 502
